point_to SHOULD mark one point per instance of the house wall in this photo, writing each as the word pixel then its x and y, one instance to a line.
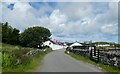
pixel 53 46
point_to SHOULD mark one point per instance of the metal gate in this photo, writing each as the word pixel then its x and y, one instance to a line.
pixel 94 55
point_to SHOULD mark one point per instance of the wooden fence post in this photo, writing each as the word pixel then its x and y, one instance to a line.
pixel 91 54
pixel 98 55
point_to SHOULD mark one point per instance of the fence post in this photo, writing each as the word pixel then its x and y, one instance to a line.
pixel 91 54
pixel 98 55
pixel 95 51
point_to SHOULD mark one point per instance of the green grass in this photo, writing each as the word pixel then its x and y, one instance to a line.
pixel 30 67
pixel 81 58
pixel 106 68
pixel 10 53
pixel 0 62
pixel 0 57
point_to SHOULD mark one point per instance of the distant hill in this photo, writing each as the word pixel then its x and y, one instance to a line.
pixel 103 43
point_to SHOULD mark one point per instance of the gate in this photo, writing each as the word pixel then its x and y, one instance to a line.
pixel 94 55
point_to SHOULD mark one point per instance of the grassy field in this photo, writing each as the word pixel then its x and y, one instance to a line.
pixel 102 66
pixel 11 53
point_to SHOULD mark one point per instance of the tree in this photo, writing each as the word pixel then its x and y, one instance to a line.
pixel 6 32
pixel 14 37
pixel 9 35
pixel 33 36
pixel 0 32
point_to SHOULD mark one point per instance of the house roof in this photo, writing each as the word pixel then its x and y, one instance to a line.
pixel 76 44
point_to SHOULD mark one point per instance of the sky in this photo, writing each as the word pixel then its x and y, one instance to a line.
pixel 67 21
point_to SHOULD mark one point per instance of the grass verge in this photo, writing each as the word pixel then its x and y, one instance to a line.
pixel 0 62
pixel 102 66
pixel 29 67
pixel 11 54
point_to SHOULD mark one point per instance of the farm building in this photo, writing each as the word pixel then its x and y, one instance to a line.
pixel 79 46
pixel 75 44
pixel 103 45
pixel 53 44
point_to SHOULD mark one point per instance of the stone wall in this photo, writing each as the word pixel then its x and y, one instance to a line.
pixel 109 57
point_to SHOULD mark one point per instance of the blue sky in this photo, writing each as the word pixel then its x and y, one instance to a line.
pixel 68 21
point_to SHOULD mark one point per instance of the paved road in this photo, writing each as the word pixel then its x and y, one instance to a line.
pixel 58 61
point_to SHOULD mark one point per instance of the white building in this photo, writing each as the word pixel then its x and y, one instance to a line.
pixel 76 44
pixel 103 45
pixel 52 45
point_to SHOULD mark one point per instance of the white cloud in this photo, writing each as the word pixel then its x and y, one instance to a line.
pixel 76 11
pixel 57 18
pixel 68 21
pixel 110 29
pixel 60 0
pixel 1 12
pixel 21 17
pixel 111 16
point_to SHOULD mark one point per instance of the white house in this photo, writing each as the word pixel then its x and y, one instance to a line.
pixel 76 44
pixel 103 45
pixel 53 45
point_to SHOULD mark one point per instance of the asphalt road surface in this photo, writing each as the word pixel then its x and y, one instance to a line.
pixel 58 61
